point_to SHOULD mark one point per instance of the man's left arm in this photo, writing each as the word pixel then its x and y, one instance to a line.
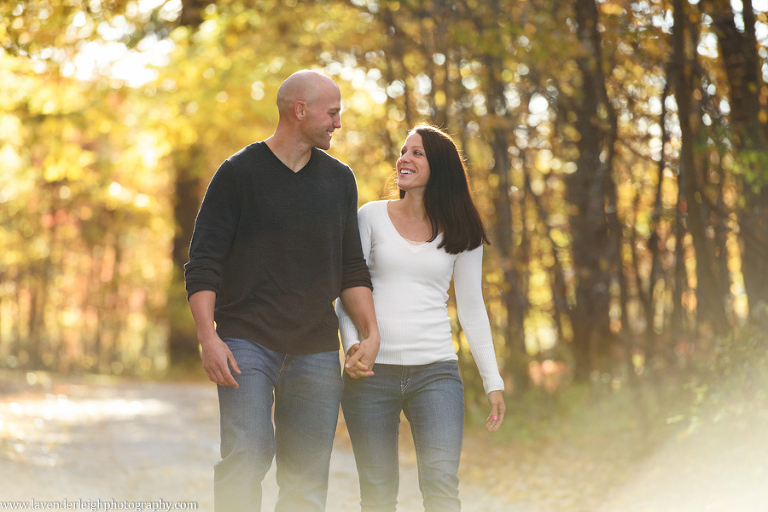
pixel 356 295
pixel 358 304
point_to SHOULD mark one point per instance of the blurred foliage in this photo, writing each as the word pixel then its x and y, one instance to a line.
pixel 733 379
pixel 115 114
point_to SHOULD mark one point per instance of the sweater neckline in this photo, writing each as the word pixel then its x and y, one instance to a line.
pixel 284 167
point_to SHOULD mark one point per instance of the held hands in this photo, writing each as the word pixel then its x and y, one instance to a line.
pixel 496 399
pixel 217 360
pixel 360 358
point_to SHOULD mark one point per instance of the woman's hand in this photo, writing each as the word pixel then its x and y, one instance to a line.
pixel 496 399
pixel 359 360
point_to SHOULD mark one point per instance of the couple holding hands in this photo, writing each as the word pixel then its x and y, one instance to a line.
pixel 278 238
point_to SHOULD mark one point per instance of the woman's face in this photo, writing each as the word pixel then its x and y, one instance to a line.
pixel 412 166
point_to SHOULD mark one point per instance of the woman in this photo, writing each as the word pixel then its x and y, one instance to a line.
pixel 414 246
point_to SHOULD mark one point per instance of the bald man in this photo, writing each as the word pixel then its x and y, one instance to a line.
pixel 275 242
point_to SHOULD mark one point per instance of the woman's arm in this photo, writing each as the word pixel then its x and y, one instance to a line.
pixel 467 281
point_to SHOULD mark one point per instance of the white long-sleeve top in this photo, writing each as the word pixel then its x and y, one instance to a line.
pixel 410 294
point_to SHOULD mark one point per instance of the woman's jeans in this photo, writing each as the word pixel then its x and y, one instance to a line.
pixel 305 391
pixel 432 397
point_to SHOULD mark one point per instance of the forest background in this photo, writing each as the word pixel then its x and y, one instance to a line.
pixel 618 151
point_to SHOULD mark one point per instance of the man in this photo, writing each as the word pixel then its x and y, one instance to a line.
pixel 275 242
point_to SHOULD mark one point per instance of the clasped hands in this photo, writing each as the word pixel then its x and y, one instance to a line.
pixel 360 358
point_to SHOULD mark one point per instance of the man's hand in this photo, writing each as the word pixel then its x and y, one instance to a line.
pixel 217 360
pixel 358 304
pixel 360 358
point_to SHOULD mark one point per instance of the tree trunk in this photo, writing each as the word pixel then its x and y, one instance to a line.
pixel 514 297
pixel 503 244
pixel 586 194
pixel 648 298
pixel 709 292
pixel 182 337
pixel 742 66
pixel 35 321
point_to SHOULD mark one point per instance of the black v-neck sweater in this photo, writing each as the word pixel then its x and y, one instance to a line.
pixel 278 247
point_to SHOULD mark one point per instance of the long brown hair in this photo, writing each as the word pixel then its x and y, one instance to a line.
pixel 447 197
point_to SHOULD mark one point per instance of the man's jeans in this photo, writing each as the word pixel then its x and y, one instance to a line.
pixel 307 390
pixel 432 397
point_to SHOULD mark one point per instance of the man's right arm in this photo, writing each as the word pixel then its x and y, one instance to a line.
pixel 214 233
pixel 217 358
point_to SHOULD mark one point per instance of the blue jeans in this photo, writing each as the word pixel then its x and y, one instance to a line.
pixel 306 391
pixel 432 397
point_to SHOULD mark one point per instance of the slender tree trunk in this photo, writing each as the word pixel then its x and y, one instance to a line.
pixel 586 193
pixel 709 291
pixel 395 57
pixel 648 296
pixel 16 323
pixel 503 243
pixel 34 322
pixel 182 338
pixel 514 300
pixel 557 277
pixel 116 310
pixel 90 305
pixel 677 315
pixel 644 297
pixel 617 270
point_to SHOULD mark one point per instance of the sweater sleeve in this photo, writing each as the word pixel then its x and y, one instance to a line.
pixel 349 335
pixel 467 280
pixel 354 269
pixel 215 228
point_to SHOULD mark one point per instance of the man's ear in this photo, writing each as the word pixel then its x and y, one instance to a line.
pixel 300 110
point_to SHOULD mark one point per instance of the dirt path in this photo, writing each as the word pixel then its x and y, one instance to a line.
pixel 720 467
pixel 146 442
pixel 117 440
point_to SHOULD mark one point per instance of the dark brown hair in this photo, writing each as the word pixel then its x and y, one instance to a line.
pixel 447 197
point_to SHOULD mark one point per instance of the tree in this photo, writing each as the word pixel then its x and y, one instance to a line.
pixel 748 120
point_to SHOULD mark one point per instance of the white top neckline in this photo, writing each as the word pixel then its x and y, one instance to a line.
pixel 413 244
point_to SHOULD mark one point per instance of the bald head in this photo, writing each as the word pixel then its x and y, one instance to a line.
pixel 303 86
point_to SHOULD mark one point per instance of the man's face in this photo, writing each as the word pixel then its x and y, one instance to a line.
pixel 323 117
